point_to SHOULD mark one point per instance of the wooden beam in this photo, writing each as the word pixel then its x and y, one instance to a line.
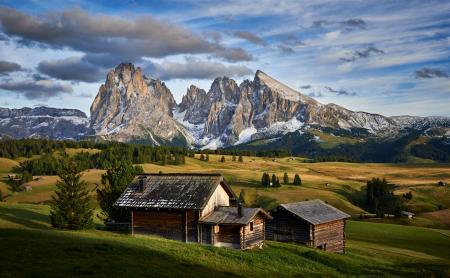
pixel 185 222
pixel 132 222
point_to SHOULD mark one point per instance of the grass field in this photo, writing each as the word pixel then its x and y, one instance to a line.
pixel 31 247
pixel 337 183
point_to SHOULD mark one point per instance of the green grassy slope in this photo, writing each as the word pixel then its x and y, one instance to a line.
pixel 31 248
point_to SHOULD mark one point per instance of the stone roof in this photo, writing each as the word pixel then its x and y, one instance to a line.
pixel 315 211
pixel 229 215
pixel 174 191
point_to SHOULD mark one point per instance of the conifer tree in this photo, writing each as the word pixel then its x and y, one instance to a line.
pixel 207 157
pixel 242 196
pixel 202 157
pixel 222 159
pixel 265 180
pixel 274 180
pixel 233 158
pixel 241 159
pixel 286 178
pixel 113 183
pixel 70 207
pixel 297 180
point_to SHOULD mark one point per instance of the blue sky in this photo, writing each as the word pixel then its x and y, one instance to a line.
pixel 387 57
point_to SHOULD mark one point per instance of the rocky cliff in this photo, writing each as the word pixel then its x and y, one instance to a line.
pixel 130 106
pixel 43 122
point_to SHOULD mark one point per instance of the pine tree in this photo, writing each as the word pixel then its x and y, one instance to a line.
pixel 274 180
pixel 233 158
pixel 240 158
pixel 286 178
pixel 114 182
pixel 222 159
pixel 242 196
pixel 297 180
pixel 265 180
pixel 26 177
pixel 207 157
pixel 70 207
pixel 1 196
pixel 202 157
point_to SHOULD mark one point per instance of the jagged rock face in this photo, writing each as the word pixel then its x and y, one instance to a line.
pixel 196 104
pixel 131 107
pixel 43 122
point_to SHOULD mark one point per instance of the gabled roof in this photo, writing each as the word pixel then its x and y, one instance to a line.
pixel 315 211
pixel 229 215
pixel 174 191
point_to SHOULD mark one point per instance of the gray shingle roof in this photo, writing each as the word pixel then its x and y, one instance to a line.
pixel 229 215
pixel 315 211
pixel 175 191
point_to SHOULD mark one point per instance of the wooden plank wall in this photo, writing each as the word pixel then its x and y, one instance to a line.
pixel 219 198
pixel 332 234
pixel 167 224
pixel 255 237
pixel 228 234
pixel 286 227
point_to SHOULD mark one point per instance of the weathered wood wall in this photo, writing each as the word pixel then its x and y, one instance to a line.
pixel 255 237
pixel 286 227
pixel 228 234
pixel 174 225
pixel 332 234
pixel 219 198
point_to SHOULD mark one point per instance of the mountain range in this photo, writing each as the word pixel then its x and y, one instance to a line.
pixel 131 106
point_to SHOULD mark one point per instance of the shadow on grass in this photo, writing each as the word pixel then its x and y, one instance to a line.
pixel 69 254
pixel 24 217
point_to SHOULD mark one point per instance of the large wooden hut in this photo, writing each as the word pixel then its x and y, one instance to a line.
pixel 198 208
pixel 313 223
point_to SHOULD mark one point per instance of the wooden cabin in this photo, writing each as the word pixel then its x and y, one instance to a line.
pixel 313 223
pixel 199 208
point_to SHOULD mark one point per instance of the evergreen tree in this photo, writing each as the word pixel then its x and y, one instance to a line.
pixel 70 207
pixel 26 177
pixel 222 159
pixel 164 160
pixel 297 180
pixel 1 196
pixel 233 158
pixel 240 158
pixel 265 180
pixel 114 182
pixel 242 196
pixel 207 157
pixel 286 178
pixel 202 157
pixel 274 180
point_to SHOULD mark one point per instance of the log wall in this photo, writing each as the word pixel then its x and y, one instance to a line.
pixel 286 227
pixel 256 237
pixel 175 225
pixel 330 236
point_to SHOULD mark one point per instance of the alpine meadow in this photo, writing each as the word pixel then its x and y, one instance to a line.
pixel 224 139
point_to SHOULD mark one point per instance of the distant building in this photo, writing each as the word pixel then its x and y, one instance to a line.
pixel 408 214
pixel 199 208
pixel 313 223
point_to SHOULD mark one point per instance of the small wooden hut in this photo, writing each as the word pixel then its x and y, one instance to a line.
pixel 192 208
pixel 313 223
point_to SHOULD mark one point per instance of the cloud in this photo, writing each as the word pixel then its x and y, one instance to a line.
pixel 305 87
pixel 214 36
pixel 340 92
pixel 250 37
pixel 355 23
pixel 7 67
pixel 73 68
pixel 285 49
pixel 32 89
pixel 365 53
pixel 195 69
pixel 292 40
pixel 141 36
pixel 431 73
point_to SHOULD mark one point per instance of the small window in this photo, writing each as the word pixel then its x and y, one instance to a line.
pixel 251 226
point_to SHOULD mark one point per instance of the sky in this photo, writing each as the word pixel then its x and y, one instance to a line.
pixel 385 57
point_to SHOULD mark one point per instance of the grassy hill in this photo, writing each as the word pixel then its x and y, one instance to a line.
pixel 30 247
